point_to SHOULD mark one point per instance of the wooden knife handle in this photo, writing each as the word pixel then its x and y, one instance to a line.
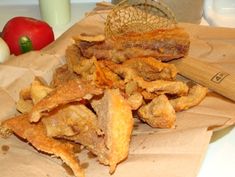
pixel 206 75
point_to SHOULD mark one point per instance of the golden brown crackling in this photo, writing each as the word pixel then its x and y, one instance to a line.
pixel 116 121
pixel 163 86
pixel 62 75
pixel 196 94
pixel 106 134
pixel 73 90
pixel 36 135
pixel 164 45
pixel 31 95
pixel 159 113
pixel 151 69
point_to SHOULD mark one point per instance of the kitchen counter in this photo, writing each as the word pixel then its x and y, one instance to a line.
pixel 220 158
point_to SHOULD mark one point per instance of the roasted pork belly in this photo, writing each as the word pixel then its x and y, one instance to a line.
pixel 163 45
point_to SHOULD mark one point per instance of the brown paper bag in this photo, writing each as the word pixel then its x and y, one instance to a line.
pixel 164 153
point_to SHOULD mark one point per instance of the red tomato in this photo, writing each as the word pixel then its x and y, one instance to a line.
pixel 23 34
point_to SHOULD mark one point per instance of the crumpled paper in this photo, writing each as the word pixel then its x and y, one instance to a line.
pixel 175 152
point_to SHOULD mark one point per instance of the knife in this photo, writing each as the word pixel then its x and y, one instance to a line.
pixel 211 77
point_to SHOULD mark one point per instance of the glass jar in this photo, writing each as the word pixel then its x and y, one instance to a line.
pixel 55 12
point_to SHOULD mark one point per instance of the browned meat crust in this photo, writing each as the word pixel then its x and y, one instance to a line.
pixel 196 94
pixel 158 113
pixel 73 90
pixel 163 45
pixel 107 135
pixel 36 135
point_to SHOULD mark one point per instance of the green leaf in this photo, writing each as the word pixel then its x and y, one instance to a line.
pixel 25 44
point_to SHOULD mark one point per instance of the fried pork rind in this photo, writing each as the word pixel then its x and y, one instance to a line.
pixel 36 135
pixel 163 44
pixel 163 86
pixel 38 91
pixel 196 94
pixel 135 100
pixel 84 67
pixel 75 122
pixel 73 57
pixel 31 95
pixel 148 95
pixel 151 69
pixel 71 120
pixel 107 135
pixel 91 70
pixel 62 75
pixel 73 90
pixel 104 77
pixel 159 113
pixel 90 38
pixel 147 68
pixel 159 86
pixel 116 122
pixel 25 103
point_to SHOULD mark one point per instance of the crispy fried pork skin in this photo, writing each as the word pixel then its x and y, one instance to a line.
pixel 151 69
pixel 116 121
pixel 71 120
pixel 31 95
pixel 196 94
pixel 163 45
pixel 157 82
pixel 148 68
pixel 77 123
pixel 107 135
pixel 39 90
pixel 62 75
pixel 135 100
pixel 36 135
pixel 73 90
pixel 163 86
pixel 159 113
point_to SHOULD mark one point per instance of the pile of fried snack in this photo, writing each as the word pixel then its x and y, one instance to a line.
pixel 92 98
